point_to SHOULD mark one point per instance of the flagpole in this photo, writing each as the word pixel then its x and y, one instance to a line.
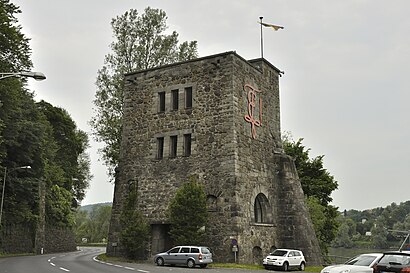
pixel 261 37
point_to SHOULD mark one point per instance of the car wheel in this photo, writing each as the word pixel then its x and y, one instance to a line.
pixel 190 263
pixel 203 265
pixel 285 266
pixel 160 261
pixel 302 266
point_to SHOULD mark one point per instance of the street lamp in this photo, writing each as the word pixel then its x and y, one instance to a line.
pixel 4 186
pixel 38 76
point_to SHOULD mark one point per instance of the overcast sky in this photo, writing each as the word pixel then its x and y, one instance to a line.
pixel 345 89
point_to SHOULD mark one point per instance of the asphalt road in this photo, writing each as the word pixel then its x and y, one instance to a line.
pixel 84 261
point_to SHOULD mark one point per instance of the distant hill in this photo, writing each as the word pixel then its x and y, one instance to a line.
pixel 89 208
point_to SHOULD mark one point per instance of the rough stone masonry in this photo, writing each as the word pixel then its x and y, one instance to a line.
pixel 216 118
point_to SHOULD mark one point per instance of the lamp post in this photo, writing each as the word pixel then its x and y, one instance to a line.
pixel 38 76
pixel 4 186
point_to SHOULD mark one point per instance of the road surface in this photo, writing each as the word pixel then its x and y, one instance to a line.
pixel 84 261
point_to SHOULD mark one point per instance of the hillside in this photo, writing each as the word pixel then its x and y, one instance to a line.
pixel 89 208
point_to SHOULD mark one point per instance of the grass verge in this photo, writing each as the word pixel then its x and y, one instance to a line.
pixel 103 257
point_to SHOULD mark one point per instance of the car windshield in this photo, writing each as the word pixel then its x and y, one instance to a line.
pixel 279 253
pixel 364 260
pixel 395 259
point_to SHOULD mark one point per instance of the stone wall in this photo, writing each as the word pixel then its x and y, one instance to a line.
pixel 254 198
pixel 21 239
pixel 59 240
pixel 17 239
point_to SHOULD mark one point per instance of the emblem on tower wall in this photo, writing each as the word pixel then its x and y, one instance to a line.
pixel 254 115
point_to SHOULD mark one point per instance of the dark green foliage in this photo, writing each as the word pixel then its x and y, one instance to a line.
pixel 14 46
pixel 324 219
pixel 135 231
pixel 316 181
pixel 70 159
pixel 188 214
pixel 58 207
pixel 382 223
pixel 93 225
pixel 37 135
pixel 140 42
pixel 317 185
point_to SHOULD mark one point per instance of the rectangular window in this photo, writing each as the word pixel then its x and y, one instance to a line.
pixel 161 102
pixel 175 99
pixel 187 144
pixel 173 146
pixel 188 97
pixel 160 147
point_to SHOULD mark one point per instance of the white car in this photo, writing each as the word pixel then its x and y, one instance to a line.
pixel 360 264
pixel 285 259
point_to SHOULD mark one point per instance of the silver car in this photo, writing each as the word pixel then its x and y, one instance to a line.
pixel 185 255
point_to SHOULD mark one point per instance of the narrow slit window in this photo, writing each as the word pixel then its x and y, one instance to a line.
pixel 161 102
pixel 175 99
pixel 188 97
pixel 187 144
pixel 173 147
pixel 160 147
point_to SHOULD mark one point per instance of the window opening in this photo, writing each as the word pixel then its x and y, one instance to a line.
pixel 262 212
pixel 258 211
pixel 175 99
pixel 160 147
pixel 173 148
pixel 161 105
pixel 188 97
pixel 187 144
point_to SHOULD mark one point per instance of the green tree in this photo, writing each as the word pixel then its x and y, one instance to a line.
pixel 94 225
pixel 14 45
pixel 317 185
pixel 380 233
pixel 345 233
pixel 70 158
pixel 81 223
pixel 58 207
pixel 139 43
pixel 35 134
pixel 134 235
pixel 188 214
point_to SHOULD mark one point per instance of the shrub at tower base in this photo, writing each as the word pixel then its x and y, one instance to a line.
pixel 135 233
pixel 188 214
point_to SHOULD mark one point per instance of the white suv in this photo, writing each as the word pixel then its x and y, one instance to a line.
pixel 285 259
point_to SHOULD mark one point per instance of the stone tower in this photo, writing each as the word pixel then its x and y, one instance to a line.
pixel 216 118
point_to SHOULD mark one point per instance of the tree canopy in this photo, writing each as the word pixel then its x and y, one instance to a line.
pixel 188 214
pixel 14 45
pixel 38 135
pixel 317 185
pixel 140 42
pixel 375 228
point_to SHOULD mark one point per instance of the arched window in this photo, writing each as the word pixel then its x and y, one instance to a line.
pixel 262 212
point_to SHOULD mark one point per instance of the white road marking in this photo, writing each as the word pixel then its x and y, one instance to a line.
pixel 64 269
pixel 52 264
pixel 119 266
